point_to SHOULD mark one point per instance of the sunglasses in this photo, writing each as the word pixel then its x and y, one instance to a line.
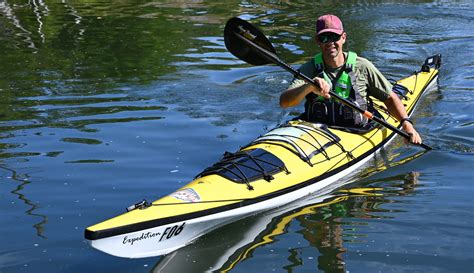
pixel 328 37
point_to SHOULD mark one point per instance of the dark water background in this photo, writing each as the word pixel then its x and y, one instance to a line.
pixel 104 104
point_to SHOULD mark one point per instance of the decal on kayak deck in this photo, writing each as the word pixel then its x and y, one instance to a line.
pixel 187 195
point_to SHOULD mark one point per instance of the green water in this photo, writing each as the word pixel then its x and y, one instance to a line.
pixel 104 104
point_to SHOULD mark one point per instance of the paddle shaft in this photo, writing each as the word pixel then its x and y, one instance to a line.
pixel 274 59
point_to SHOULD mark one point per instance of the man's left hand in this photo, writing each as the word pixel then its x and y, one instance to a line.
pixel 415 138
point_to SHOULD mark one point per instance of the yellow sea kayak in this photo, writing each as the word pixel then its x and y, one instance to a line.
pixel 287 163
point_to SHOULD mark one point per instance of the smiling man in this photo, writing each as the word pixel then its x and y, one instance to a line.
pixel 350 76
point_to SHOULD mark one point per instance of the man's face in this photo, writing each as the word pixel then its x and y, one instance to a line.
pixel 331 43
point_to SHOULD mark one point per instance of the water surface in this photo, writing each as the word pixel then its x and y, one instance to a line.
pixel 105 104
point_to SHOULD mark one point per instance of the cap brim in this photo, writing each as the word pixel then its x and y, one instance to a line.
pixel 333 30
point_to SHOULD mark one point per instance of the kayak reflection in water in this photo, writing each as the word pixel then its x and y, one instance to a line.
pixel 325 229
pixel 346 74
pixel 327 223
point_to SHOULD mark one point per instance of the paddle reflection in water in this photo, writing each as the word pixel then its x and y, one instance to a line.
pixel 327 223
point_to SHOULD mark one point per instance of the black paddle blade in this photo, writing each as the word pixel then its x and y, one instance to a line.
pixel 235 31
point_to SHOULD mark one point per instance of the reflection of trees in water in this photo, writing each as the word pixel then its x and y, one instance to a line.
pixel 8 12
pixel 23 180
pixel 93 48
pixel 69 54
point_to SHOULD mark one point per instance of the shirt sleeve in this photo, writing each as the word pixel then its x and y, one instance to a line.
pixel 307 69
pixel 377 85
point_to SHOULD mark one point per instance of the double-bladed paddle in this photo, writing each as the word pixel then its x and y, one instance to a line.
pixel 249 44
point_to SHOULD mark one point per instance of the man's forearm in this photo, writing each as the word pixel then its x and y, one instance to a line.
pixel 396 107
pixel 292 97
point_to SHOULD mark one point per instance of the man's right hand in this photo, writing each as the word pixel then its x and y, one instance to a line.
pixel 324 88
pixel 293 96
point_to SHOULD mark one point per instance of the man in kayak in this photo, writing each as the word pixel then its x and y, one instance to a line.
pixel 346 74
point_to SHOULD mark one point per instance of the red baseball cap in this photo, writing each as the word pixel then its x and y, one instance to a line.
pixel 329 23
